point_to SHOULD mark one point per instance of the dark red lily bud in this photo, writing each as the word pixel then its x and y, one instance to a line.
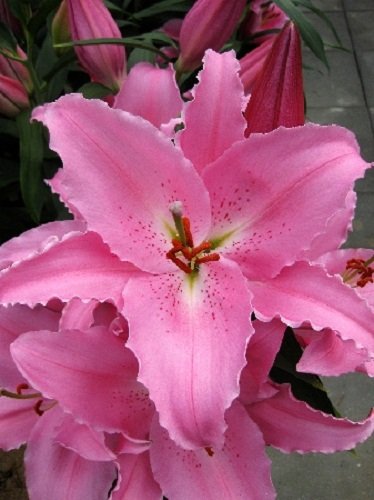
pixel 277 98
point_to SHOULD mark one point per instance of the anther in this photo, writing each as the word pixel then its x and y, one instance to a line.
pixel 209 450
pixel 37 407
pixel 208 258
pixel 22 387
pixel 187 231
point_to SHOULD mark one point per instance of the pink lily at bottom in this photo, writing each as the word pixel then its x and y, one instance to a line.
pixel 195 234
pixel 96 429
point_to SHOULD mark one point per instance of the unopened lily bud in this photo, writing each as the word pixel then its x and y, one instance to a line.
pixel 277 98
pixel 15 69
pixel 252 63
pixel 104 63
pixel 13 97
pixel 60 26
pixel 208 25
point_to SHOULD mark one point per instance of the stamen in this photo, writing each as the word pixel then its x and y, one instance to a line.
pixel 179 263
pixel 209 450
pixel 359 267
pixel 22 387
pixel 16 395
pixel 37 407
pixel 208 258
pixel 187 231
pixel 205 245
pixel 176 209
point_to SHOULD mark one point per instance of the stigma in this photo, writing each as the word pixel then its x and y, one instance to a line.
pixel 184 253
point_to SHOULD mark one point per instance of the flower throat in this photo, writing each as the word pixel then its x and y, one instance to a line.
pixel 183 253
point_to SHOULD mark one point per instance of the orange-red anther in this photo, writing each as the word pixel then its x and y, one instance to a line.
pixel 208 258
pixel 187 231
pixel 37 407
pixel 22 387
pixel 179 263
pixel 205 245
pixel 209 450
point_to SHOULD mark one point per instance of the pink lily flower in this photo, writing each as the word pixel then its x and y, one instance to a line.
pixel 207 232
pixel 105 64
pixel 277 97
pixel 209 24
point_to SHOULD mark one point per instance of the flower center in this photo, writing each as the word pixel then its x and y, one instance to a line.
pixel 184 253
pixel 360 270
pixel 41 404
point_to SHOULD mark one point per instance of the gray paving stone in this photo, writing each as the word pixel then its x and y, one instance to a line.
pixel 327 5
pixel 340 24
pixel 340 86
pixel 366 63
pixel 363 225
pixel 355 119
pixel 359 4
pixel 361 25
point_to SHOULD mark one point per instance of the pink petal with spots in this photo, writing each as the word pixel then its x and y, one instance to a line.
pixel 191 330
pixel 83 440
pixel 17 419
pixel 237 469
pixel 304 293
pixel 35 241
pixel 262 348
pixel 53 471
pixel 292 425
pixel 264 225
pixel 91 374
pixel 13 322
pixel 150 92
pixel 328 355
pixel 121 173
pixel 73 268
pixel 214 119
pixel 136 479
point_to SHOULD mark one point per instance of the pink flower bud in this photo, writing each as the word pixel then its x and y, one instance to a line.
pixel 263 18
pixel 104 63
pixel 15 69
pixel 277 98
pixel 13 96
pixel 209 24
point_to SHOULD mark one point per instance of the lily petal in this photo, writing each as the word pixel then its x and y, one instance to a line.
pixel 214 118
pixel 261 223
pixel 53 471
pixel 151 93
pixel 292 425
pixel 296 298
pixel 199 328
pixel 328 355
pixel 73 268
pixel 136 479
pixel 121 173
pixel 17 419
pixel 238 469
pixel 91 374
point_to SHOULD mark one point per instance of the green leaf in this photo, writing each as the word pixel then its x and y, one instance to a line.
pixel 9 127
pixel 21 10
pixel 305 387
pixel 309 34
pixel 33 189
pixel 308 4
pixel 38 20
pixel 162 7
pixel 7 40
pixel 94 90
pixel 140 55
